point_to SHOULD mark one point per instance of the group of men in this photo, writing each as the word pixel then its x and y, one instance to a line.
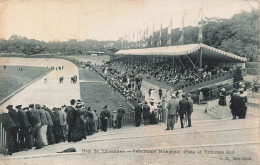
pixel 35 125
pixel 183 108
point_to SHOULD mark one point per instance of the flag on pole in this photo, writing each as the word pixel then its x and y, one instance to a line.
pixel 170 33
pixel 152 37
pixel 182 30
pixel 200 25
pixel 159 43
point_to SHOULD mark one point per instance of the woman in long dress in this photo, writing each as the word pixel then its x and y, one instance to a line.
pixel 222 97
pixel 79 132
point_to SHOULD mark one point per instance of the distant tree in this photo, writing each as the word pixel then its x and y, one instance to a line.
pixel 237 77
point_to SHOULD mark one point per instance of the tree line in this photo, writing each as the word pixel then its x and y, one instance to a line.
pixel 238 35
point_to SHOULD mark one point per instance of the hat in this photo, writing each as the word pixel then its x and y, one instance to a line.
pixel 120 105
pixel 72 100
pixel 105 107
pixel 25 108
pixel 9 107
pixel 78 105
pixel 18 106
pixel 114 111
pixel 79 101
pixel 183 95
pixel 241 89
pixel 145 102
pixel 31 105
pixel 37 106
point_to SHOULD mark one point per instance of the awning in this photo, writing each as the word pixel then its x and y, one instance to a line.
pixel 209 53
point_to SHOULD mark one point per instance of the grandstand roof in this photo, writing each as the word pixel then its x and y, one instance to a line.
pixel 209 53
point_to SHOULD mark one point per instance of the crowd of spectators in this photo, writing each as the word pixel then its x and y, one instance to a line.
pixel 171 72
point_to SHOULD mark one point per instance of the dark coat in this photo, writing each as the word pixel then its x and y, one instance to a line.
pixel 44 120
pixel 190 105
pixel 24 122
pixel 146 111
pixel 120 113
pixel 36 112
pixel 184 106
pixel 14 115
pixel 7 121
pixel 138 109
pixel 105 113
pixel 71 115
pixel 79 131
pixel 160 91
pixel 50 122
pixel 53 116
pixel 33 119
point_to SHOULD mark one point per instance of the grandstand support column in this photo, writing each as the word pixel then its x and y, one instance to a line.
pixel 200 69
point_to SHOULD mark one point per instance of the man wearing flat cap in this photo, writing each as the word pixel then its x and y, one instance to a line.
pixel 71 118
pixel 104 115
pixel 14 115
pixel 24 136
pixel 34 117
pixel 10 127
pixel 120 115
pixel 44 126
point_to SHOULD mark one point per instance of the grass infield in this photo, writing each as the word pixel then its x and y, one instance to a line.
pixel 99 94
pixel 11 79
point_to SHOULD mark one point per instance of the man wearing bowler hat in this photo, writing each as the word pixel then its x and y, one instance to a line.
pixel 71 118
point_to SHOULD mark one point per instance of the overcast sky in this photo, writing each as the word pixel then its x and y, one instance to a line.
pixel 106 19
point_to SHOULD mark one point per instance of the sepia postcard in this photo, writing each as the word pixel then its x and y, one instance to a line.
pixel 129 82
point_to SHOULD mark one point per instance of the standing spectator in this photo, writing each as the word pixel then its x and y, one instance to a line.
pixel 104 115
pixel 146 112
pixel 138 114
pixel 183 108
pixel 201 97
pixel 173 108
pixel 79 132
pixel 120 115
pixel 24 136
pixel 234 104
pixel 95 117
pixel 90 122
pixel 190 110
pixel 149 91
pixel 63 123
pixel 222 97
pixel 114 119
pixel 10 127
pixel 35 121
pixel 44 124
pixel 14 116
pixel 50 136
pixel 71 118
pixel 55 121
pixel 242 103
pixel 160 93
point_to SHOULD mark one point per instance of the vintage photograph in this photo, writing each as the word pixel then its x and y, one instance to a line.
pixel 129 82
